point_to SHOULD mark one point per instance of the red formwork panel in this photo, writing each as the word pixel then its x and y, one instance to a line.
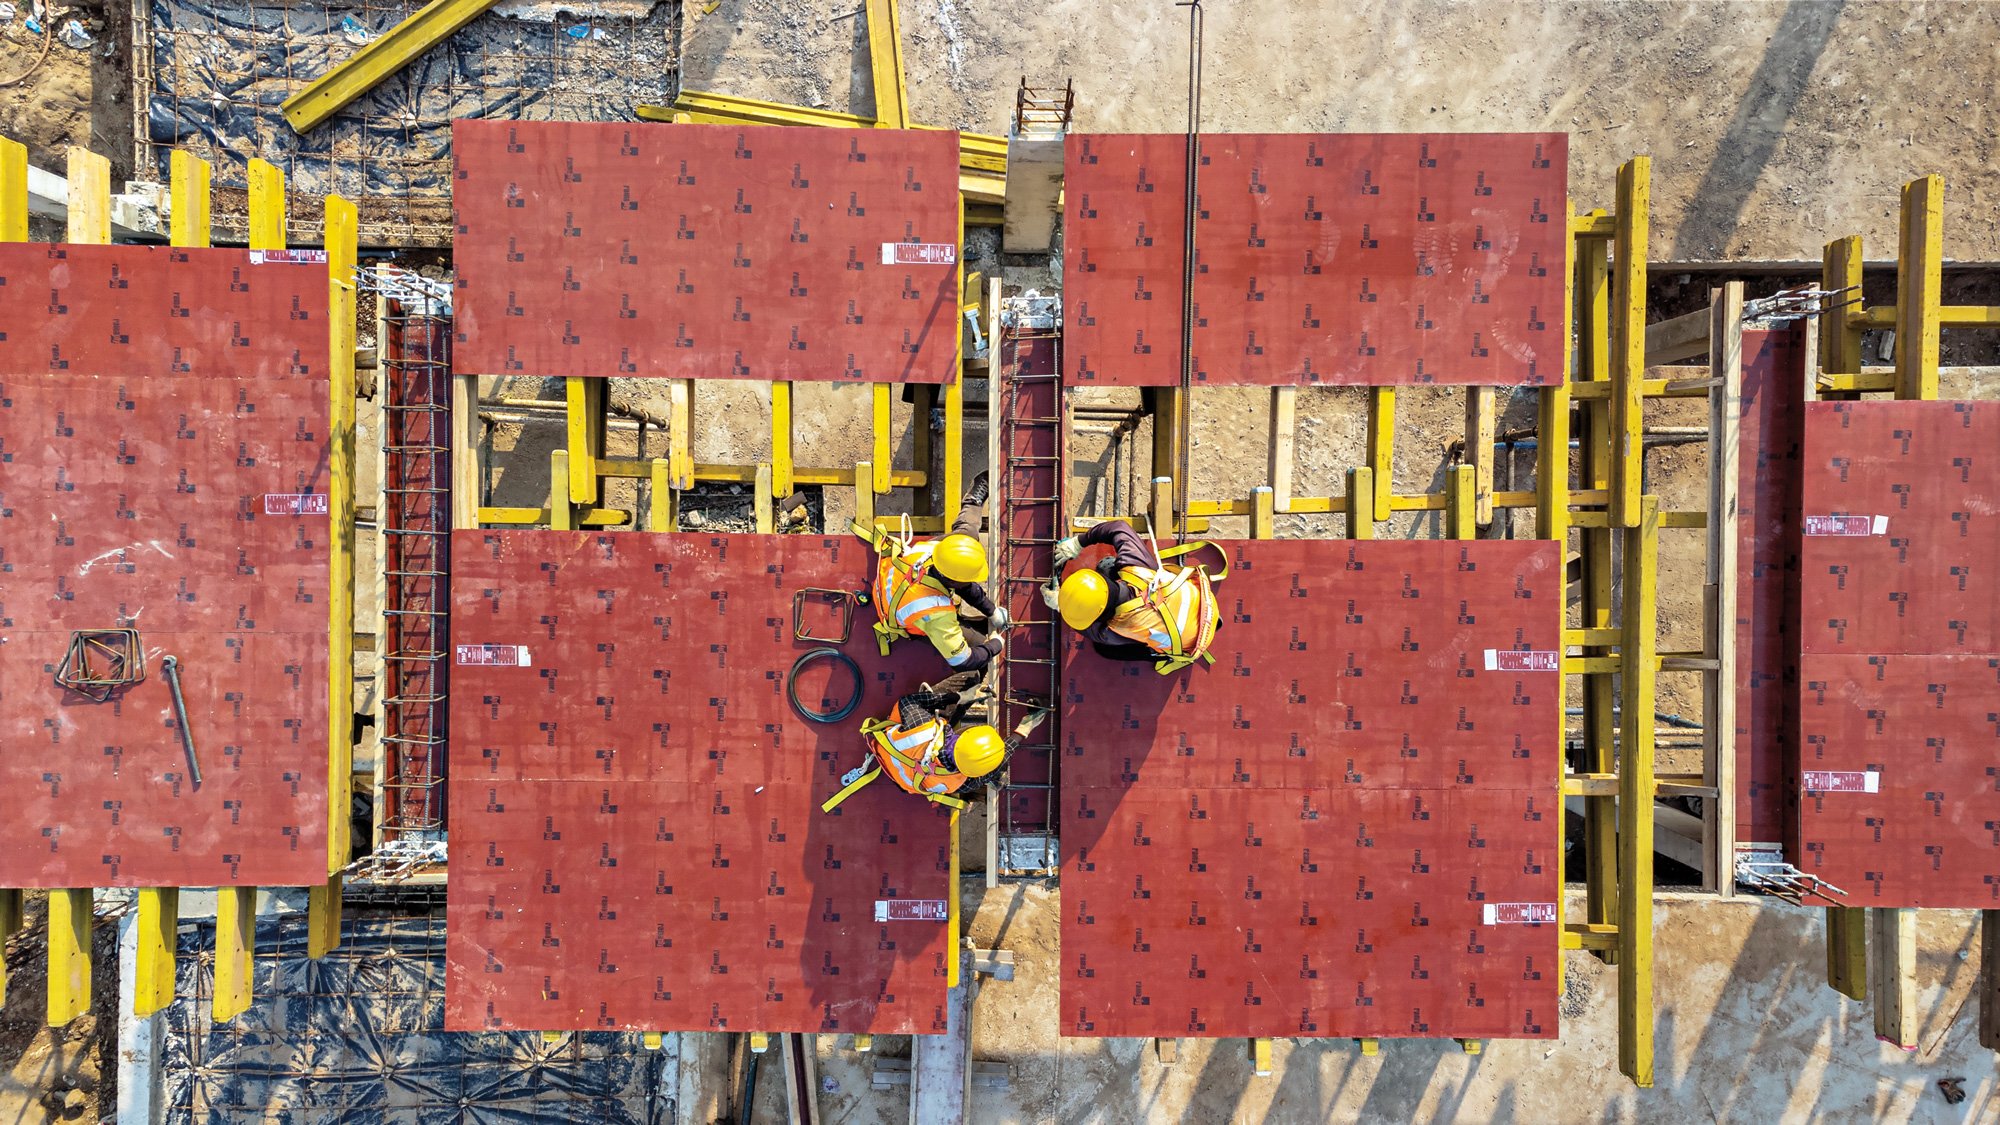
pixel 164 468
pixel 1896 778
pixel 1349 825
pixel 706 251
pixel 635 814
pixel 1321 258
pixel 1768 576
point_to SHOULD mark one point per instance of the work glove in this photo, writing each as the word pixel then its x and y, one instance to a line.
pixel 999 619
pixel 1050 597
pixel 1068 549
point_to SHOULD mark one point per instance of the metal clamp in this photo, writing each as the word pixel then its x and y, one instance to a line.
pixel 845 600
pixel 100 661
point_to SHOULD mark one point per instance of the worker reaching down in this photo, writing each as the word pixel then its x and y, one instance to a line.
pixel 1134 604
pixel 927 748
pixel 920 583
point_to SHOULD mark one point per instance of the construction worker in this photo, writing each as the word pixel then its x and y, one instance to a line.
pixel 919 585
pixel 1133 605
pixel 926 747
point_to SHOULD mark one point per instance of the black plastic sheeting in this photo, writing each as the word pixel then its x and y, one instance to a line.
pixel 221 71
pixel 353 1037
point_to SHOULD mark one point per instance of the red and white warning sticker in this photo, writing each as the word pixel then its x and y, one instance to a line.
pixel 493 656
pixel 1846 525
pixel 1518 660
pixel 1519 913
pixel 910 910
pixel 1843 781
pixel 287 257
pixel 919 254
pixel 296 504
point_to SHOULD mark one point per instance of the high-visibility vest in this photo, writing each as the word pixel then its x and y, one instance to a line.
pixel 910 758
pixel 1176 613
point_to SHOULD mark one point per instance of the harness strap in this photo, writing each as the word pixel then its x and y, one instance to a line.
pixel 852 788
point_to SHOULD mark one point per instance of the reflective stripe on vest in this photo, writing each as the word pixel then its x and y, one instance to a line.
pixel 905 592
pixel 1179 592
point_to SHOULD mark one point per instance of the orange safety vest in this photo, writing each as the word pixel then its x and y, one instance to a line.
pixel 909 757
pixel 905 593
pixel 1176 613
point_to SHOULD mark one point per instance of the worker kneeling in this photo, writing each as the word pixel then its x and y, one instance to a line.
pixel 919 585
pixel 1134 605
pixel 926 749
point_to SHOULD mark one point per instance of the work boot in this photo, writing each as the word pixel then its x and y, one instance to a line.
pixel 976 494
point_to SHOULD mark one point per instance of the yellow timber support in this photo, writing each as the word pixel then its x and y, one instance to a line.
pixel 1635 796
pixel 1919 288
pixel 89 198
pixel 367 68
pixel 885 65
pixel 343 226
pixel 1382 448
pixel 1628 339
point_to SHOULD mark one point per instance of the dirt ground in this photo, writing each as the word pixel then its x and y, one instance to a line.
pixel 57 1075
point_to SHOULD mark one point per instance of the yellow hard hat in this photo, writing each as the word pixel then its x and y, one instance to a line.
pixel 960 558
pixel 1082 598
pixel 978 751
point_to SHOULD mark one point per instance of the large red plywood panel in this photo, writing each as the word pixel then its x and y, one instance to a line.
pixel 1768 583
pixel 1895 794
pixel 635 809
pixel 706 251
pixel 1899 778
pixel 1355 259
pixel 152 484
pixel 1305 838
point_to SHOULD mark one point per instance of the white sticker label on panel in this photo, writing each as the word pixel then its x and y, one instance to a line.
pixel 493 656
pixel 1846 525
pixel 1516 660
pixel 1843 781
pixel 910 910
pixel 287 257
pixel 296 504
pixel 919 254
pixel 1520 913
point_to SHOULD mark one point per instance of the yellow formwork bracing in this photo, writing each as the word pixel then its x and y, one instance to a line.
pixel 377 60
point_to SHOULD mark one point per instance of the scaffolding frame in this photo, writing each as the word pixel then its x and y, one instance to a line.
pixel 71 910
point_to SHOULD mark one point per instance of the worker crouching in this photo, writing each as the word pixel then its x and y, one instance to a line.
pixel 920 585
pixel 927 748
pixel 1135 605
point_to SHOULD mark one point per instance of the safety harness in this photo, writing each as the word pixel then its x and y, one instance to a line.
pixel 905 593
pixel 909 756
pixel 1176 613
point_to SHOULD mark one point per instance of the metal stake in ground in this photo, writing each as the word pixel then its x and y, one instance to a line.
pixel 170 667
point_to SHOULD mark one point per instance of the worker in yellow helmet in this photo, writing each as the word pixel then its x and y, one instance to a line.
pixel 1134 605
pixel 927 748
pixel 921 584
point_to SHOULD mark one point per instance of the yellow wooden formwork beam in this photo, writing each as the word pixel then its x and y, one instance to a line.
pixel 1263 512
pixel 13 191
pixel 953 923
pixel 760 502
pixel 1840 337
pixel 1628 339
pixel 1260 1057
pixel 632 468
pixel 781 438
pixel 651 1040
pixel 561 513
pixel 1382 448
pixel 880 426
pixel 1892 977
pixel 372 64
pixel 188 199
pixel 1552 427
pixel 1635 795
pixel 1949 316
pixel 978 152
pixel 1847 950
pixel 89 197
pixel 864 493
pixel 235 950
pixel 343 226
pixel 1369 1047
pixel 885 65
pixel 1461 504
pixel 954 449
pixel 532 517
pixel 10 923
pixel 1284 439
pixel 155 922
pixel 1919 288
pixel 681 468
pixel 1361 503
pixel 267 206
pixel 663 512
pixel 68 954
pixel 584 402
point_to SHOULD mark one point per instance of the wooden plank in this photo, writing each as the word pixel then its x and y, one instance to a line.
pixel 662 510
pixel 1361 502
pixel 864 493
pixel 1284 438
pixel 1460 505
pixel 1919 288
pixel 1263 517
pixel 885 66
pixel 1847 950
pixel 881 425
pixel 941 1065
pixel 1892 975
pixel 781 438
pixel 1636 808
pixel 1684 337
pixel 1382 449
pixel 680 433
pixel 1725 409
pixel 760 501
pixel 342 238
pixel 467 481
pixel 800 1058
pixel 89 197
pixel 1989 979
pixel 13 191
pixel 1480 404
pixel 68 954
pixel 1628 340
pixel 235 950
pixel 1842 271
